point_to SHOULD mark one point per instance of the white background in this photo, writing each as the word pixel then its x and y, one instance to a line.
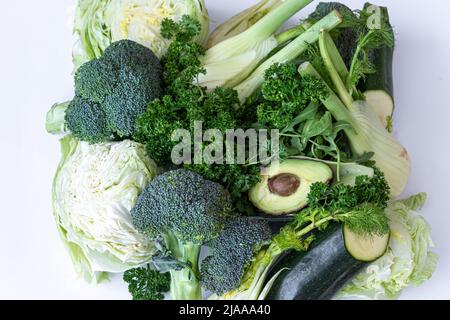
pixel 35 72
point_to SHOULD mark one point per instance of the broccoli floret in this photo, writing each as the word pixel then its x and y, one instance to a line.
pixel 122 83
pixel 95 80
pixel 232 252
pixel 147 284
pixel 187 211
pixel 87 121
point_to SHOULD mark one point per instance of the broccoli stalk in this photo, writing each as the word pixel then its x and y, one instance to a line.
pixel 187 211
pixel 182 283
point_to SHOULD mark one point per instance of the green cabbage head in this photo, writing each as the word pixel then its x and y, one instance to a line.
pixel 98 23
pixel 407 261
pixel 94 190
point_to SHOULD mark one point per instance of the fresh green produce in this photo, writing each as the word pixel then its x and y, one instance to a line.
pixel 409 259
pixel 285 95
pixel 54 120
pixel 367 135
pixel 360 208
pixel 185 103
pixel 187 211
pixel 94 190
pixel 284 187
pixel 112 91
pixel 378 87
pixel 317 274
pixel 232 252
pixel 232 60
pixel 147 284
pixel 346 34
pixel 290 103
pixel 287 54
pixel 241 21
pixel 322 90
pixel 98 23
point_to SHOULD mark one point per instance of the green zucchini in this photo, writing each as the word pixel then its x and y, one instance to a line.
pixel 317 274
pixel 378 88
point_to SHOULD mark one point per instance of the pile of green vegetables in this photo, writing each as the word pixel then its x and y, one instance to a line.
pixel 320 221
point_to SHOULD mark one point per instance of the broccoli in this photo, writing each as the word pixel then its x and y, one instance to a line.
pixel 115 89
pixel 87 121
pixel 187 211
pixel 147 284
pixel 232 252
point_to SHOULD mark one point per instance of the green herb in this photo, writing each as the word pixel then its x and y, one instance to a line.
pixel 147 284
pixel 290 103
pixel 186 102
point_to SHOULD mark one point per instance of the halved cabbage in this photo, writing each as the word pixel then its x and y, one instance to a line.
pixel 94 190
pixel 98 23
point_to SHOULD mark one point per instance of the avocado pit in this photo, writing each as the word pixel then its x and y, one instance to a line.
pixel 284 185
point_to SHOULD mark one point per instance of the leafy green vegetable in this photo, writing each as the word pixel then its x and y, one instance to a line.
pixel 99 23
pixel 341 197
pixel 147 284
pixel 187 102
pixel 361 63
pixel 94 190
pixel 408 260
pixel 54 120
pixel 291 104
pixel 187 211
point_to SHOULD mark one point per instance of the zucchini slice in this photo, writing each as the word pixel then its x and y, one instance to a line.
pixel 363 247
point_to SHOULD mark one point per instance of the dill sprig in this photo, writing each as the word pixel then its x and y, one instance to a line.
pixel 361 63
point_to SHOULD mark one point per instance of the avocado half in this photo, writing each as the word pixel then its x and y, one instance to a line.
pixel 284 186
